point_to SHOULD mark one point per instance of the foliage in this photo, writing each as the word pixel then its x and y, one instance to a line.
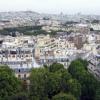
pixel 63 96
pixel 97 96
pixel 65 76
pixel 9 84
pixel 37 78
pixel 19 96
pixel 52 82
pixel 74 87
pixel 79 71
pixel 55 67
pixel 52 85
pixel 26 30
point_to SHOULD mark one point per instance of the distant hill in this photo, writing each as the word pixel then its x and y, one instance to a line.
pixel 18 15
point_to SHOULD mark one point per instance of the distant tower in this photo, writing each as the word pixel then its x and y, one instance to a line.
pixel 79 15
pixel 61 15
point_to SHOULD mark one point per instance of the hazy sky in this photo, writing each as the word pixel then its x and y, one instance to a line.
pixel 52 6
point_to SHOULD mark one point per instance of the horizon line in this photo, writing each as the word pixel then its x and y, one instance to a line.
pixel 80 13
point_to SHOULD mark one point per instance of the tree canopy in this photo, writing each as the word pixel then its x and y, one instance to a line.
pixel 78 70
pixel 52 82
pixel 9 84
pixel 64 96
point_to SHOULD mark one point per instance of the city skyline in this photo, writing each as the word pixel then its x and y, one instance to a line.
pixel 52 6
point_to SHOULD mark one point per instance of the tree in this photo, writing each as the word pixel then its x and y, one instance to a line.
pixel 97 95
pixel 56 67
pixel 9 84
pixel 74 87
pixel 37 84
pixel 65 76
pixel 19 96
pixel 75 67
pixel 44 83
pixel 79 71
pixel 52 84
pixel 84 62
pixel 63 96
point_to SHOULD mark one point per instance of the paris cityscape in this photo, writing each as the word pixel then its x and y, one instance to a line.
pixel 49 56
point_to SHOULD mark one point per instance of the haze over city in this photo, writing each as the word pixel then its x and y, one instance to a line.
pixel 52 6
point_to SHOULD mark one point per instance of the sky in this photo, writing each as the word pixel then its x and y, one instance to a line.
pixel 52 6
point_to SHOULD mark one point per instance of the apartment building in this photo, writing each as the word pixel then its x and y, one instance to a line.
pixel 18 54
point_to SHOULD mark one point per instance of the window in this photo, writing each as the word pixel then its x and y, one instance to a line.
pixel 24 75
pixel 13 56
pixel 26 55
pixel 19 70
pixel 19 76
